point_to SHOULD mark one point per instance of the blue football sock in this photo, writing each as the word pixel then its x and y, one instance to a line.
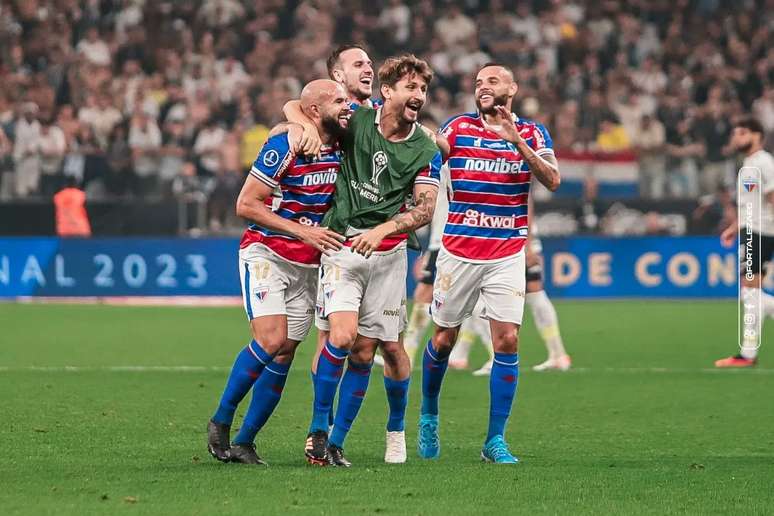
pixel 330 414
pixel 330 365
pixel 247 367
pixel 354 385
pixel 433 369
pixel 502 391
pixel 266 394
pixel 397 398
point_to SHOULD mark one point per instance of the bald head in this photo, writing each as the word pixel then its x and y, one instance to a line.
pixel 325 102
pixel 319 92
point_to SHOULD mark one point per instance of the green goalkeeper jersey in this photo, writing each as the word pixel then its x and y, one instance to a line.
pixel 377 176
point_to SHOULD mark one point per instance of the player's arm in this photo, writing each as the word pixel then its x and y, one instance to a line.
pixel 443 145
pixel 419 215
pixel 310 139
pixel 544 168
pixel 260 183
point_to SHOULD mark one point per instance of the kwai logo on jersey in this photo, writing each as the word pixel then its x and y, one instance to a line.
pixel 378 165
pixel 326 177
pixel 499 165
pixel 482 220
pixel 750 184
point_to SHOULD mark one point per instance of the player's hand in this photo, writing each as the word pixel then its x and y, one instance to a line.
pixel 728 237
pixel 503 125
pixel 368 242
pixel 322 239
pixel 310 141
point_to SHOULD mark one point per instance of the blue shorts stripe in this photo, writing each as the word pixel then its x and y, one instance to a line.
pixel 248 306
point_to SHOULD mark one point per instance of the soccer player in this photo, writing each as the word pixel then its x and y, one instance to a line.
pixel 543 313
pixel 491 155
pixel 386 156
pixel 278 260
pixel 350 66
pixel 747 138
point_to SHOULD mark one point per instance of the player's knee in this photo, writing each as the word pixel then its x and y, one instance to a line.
pixel 272 341
pixel 506 342
pixel 286 353
pixel 362 355
pixel 444 339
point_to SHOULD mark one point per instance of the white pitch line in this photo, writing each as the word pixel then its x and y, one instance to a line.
pixel 208 369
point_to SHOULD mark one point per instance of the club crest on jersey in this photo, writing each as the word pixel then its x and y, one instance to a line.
pixel 750 184
pixel 378 165
pixel 261 293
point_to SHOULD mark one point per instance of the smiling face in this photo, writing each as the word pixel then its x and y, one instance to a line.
pixel 334 110
pixel 407 97
pixel 355 72
pixel 494 87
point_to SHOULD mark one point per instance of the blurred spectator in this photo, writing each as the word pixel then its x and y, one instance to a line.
pixel 682 150
pixel 119 159
pixel 100 114
pixel 173 151
pixel 145 144
pixel 70 209
pixel 53 147
pixel 713 131
pixel 395 21
pixel 649 140
pixel 454 27
pixel 93 49
pixel 207 148
pixel 612 136
pixel 26 151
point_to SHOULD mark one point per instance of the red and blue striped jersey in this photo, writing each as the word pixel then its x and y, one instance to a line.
pixel 306 186
pixel 490 185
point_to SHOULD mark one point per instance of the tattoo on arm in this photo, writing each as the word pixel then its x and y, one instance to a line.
pixel 545 169
pixel 420 214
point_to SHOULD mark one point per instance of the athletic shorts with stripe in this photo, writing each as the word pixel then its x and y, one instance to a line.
pixel 374 287
pixel 272 285
pixel 459 284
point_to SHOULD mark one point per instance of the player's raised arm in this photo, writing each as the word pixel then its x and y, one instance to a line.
pixel 310 142
pixel 545 168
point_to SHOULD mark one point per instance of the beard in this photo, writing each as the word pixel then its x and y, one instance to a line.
pixel 332 126
pixel 497 100
pixel 744 148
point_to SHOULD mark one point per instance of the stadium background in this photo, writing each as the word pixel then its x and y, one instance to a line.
pixel 156 109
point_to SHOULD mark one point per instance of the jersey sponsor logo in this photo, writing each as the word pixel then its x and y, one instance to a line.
pixel 499 165
pixel 392 313
pixel 326 177
pixel 378 165
pixel 271 158
pixel 466 125
pixel 479 219
pixel 306 221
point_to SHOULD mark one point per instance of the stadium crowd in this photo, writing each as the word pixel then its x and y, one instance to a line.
pixel 136 97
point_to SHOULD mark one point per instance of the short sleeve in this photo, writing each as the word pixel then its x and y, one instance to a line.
pixel 543 144
pixel 431 174
pixel 273 160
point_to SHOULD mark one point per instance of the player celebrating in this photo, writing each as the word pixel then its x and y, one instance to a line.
pixel 492 155
pixel 350 66
pixel 747 138
pixel 386 157
pixel 278 261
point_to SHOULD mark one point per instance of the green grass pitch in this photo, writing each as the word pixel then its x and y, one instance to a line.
pixel 641 425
